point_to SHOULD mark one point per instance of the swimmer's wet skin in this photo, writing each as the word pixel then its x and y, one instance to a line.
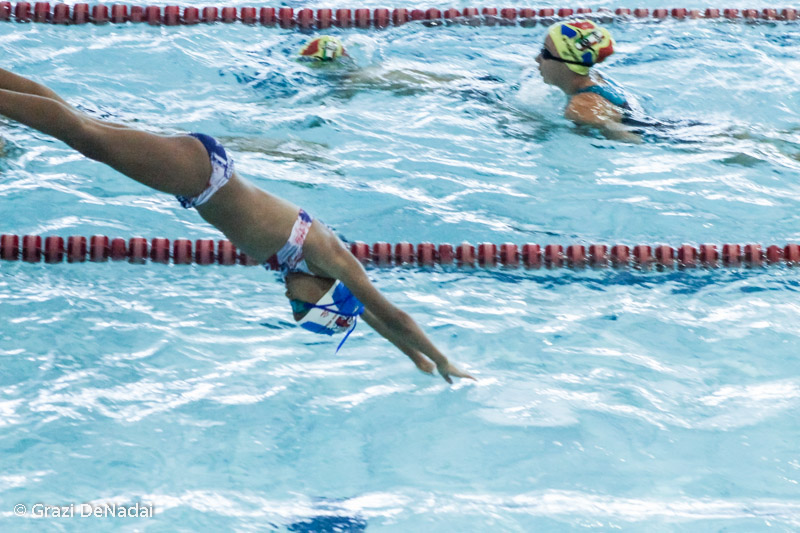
pixel 325 278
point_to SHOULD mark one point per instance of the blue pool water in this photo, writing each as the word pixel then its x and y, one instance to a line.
pixel 605 400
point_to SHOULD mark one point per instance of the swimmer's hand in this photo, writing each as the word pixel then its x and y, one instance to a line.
pixel 445 368
pixel 448 371
pixel 426 361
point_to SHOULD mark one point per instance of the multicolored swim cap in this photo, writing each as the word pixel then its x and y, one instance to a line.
pixel 583 41
pixel 324 48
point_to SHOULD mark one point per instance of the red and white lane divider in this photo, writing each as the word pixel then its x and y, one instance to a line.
pixel 287 17
pixel 99 248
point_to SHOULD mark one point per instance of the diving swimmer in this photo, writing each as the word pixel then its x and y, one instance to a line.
pixel 326 285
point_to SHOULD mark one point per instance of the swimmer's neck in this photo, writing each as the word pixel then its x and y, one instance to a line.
pixel 573 84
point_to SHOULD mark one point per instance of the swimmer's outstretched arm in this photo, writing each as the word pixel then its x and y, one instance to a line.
pixel 422 362
pixel 324 252
pixel 399 80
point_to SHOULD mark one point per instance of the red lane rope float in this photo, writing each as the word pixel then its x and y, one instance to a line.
pixel 286 17
pixel 100 248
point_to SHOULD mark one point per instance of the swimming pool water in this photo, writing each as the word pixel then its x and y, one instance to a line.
pixel 640 401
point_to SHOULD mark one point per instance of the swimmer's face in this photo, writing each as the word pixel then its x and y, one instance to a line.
pixel 325 65
pixel 548 68
pixel 306 288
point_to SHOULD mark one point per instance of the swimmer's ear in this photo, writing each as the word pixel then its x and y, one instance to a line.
pixel 299 309
pixel 302 288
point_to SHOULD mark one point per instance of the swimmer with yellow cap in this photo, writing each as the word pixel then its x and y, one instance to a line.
pixel 328 51
pixel 323 48
pixel 571 48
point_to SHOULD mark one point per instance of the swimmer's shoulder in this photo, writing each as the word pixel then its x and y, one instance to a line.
pixel 591 108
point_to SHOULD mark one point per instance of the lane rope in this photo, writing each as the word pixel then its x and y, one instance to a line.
pixel 321 19
pixel 100 248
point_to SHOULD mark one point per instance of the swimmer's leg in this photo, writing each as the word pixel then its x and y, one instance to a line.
pixel 176 165
pixel 19 84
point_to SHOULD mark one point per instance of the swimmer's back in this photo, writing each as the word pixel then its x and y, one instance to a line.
pixel 634 116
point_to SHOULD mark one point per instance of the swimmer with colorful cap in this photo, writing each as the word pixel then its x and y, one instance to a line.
pixel 327 286
pixel 323 48
pixel 328 51
pixel 571 48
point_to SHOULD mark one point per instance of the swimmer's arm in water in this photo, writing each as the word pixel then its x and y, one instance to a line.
pixel 397 80
pixel 422 362
pixel 593 110
pixel 292 149
pixel 324 252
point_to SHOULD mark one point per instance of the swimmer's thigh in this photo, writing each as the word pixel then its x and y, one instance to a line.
pixel 177 165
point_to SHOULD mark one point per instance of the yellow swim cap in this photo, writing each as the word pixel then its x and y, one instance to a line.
pixel 582 41
pixel 324 48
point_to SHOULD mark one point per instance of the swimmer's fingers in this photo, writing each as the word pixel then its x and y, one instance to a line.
pixel 448 371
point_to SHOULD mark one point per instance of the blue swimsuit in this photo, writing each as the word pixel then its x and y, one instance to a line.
pixel 610 92
pixel 632 113
pixel 221 170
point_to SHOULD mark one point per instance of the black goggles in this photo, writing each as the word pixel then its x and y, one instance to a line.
pixel 547 55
